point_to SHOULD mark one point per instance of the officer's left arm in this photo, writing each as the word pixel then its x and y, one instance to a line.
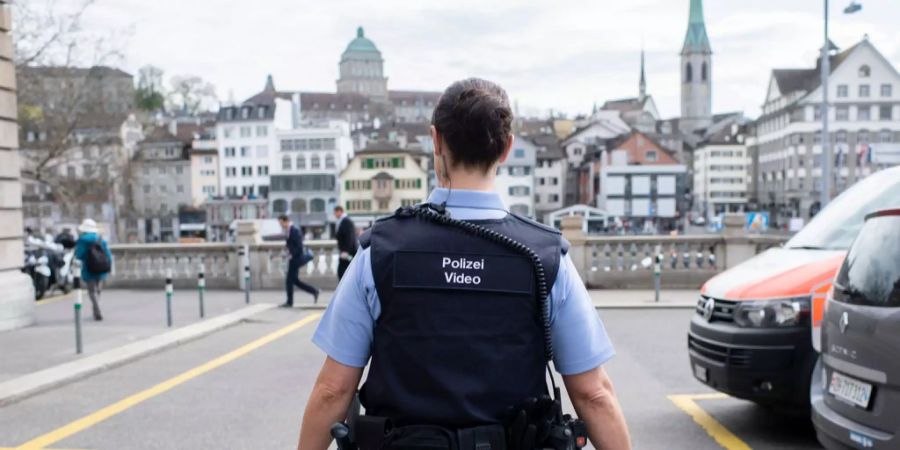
pixel 581 348
pixel 328 403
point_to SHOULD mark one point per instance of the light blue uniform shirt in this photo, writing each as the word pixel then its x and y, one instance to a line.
pixel 580 342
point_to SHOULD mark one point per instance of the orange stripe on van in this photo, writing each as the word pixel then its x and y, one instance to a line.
pixel 796 282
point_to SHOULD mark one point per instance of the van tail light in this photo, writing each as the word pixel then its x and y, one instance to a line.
pixel 820 296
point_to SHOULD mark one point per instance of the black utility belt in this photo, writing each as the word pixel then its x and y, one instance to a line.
pixel 378 433
pixel 375 433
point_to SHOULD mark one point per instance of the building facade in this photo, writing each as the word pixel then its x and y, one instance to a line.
pixel 306 170
pixel 381 178
pixel 515 177
pixel 17 305
pixel 864 114
pixel 162 185
pixel 643 198
pixel 722 173
pixel 204 174
pixel 550 172
pixel 245 136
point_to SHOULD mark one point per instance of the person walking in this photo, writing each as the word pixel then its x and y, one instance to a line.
pixel 96 262
pixel 345 233
pixel 457 307
pixel 299 258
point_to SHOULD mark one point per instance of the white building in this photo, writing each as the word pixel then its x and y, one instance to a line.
pixel 648 196
pixel 305 171
pixel 721 173
pixel 515 178
pixel 864 114
pixel 246 140
pixel 602 126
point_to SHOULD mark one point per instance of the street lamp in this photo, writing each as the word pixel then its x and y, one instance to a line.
pixel 825 194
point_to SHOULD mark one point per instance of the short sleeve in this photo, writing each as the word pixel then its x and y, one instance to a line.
pixel 580 341
pixel 345 332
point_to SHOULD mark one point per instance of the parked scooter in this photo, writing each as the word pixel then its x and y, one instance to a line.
pixel 37 267
pixel 53 268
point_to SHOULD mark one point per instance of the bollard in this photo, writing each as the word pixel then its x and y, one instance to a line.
pixel 657 274
pixel 201 286
pixel 169 291
pixel 247 283
pixel 78 293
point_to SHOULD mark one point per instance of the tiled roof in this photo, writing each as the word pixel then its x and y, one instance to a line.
pixel 411 97
pixel 313 101
pixel 382 147
pixel 807 80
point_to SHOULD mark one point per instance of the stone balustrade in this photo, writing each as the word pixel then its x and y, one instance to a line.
pixel 687 261
pixel 602 261
pixel 146 265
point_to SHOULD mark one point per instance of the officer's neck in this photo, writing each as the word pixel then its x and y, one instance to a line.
pixel 469 180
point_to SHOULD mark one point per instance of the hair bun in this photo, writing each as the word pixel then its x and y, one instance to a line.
pixel 474 119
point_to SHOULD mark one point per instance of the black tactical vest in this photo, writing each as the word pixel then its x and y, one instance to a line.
pixel 459 339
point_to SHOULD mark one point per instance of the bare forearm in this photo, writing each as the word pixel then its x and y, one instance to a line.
pixel 604 420
pixel 595 401
pixel 322 411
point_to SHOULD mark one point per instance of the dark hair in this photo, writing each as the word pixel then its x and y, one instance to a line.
pixel 474 119
pixel 284 218
pixel 338 208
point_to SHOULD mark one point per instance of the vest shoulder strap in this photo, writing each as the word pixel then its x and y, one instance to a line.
pixel 564 244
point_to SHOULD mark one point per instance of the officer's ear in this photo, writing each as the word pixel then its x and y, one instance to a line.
pixel 437 140
pixel 505 153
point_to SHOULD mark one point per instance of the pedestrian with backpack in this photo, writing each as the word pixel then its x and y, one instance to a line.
pixel 96 261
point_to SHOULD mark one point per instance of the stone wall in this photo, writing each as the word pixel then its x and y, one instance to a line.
pixel 17 300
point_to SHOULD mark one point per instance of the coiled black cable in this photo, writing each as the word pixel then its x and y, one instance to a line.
pixel 438 214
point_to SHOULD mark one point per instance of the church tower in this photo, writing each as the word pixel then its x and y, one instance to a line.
pixel 642 85
pixel 696 73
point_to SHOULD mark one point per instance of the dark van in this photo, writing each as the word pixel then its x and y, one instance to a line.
pixel 856 388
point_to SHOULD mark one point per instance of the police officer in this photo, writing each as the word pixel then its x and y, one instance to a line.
pixel 448 316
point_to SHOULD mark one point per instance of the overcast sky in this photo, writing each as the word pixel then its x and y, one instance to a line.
pixel 560 54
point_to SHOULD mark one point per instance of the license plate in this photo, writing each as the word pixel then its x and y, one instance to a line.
pixel 850 390
pixel 701 373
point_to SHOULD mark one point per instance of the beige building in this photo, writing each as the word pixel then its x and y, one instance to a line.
pixel 204 174
pixel 381 178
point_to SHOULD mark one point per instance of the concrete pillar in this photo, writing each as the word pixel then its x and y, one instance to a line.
pixel 17 300
pixel 247 233
pixel 573 231
pixel 738 247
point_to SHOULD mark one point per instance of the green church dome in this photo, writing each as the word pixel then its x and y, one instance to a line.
pixel 361 47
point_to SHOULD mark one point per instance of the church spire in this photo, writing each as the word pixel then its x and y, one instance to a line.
pixel 696 39
pixel 642 86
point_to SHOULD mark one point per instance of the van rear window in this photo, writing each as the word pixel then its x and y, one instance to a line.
pixel 870 274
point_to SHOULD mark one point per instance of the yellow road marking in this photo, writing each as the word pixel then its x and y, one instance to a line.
pixel 54 299
pixel 723 437
pixel 122 405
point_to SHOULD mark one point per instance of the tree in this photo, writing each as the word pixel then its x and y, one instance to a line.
pixel 149 95
pixel 190 94
pixel 64 120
